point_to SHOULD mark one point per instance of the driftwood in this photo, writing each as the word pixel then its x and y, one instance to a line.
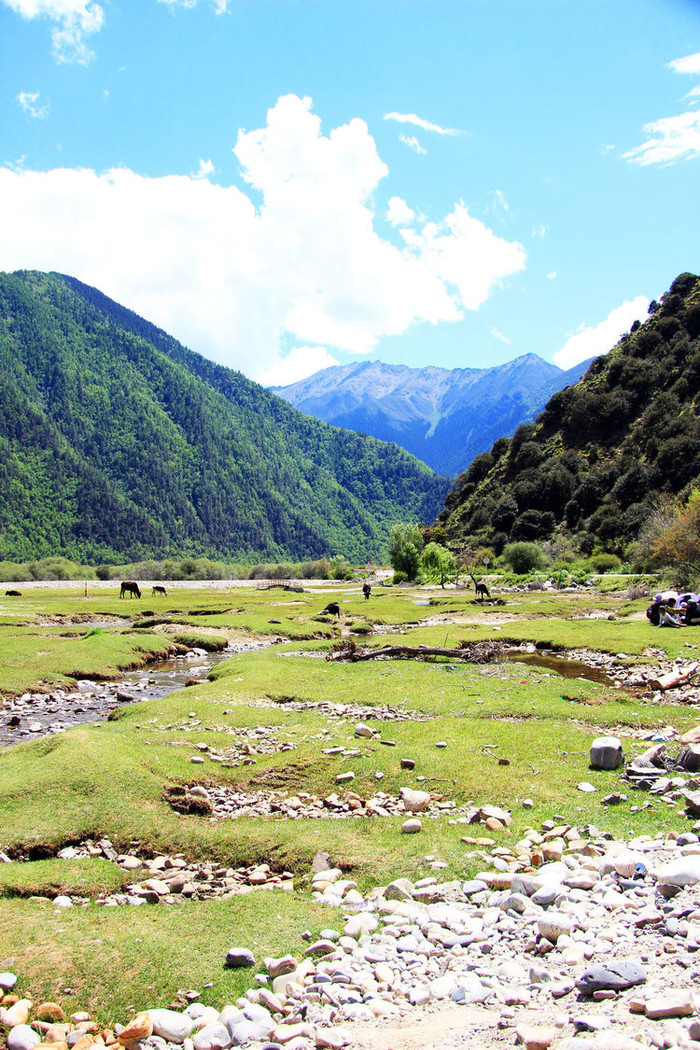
pixel 400 652
pixel 678 677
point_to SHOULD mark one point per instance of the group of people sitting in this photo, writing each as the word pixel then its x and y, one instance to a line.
pixel 671 609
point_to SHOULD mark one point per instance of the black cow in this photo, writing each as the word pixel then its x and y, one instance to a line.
pixel 333 609
pixel 131 588
pixel 366 589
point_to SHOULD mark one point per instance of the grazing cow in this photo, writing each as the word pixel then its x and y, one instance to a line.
pixel 13 594
pixel 333 609
pixel 366 589
pixel 157 589
pixel 131 588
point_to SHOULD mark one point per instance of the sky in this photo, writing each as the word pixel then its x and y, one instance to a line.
pixel 284 185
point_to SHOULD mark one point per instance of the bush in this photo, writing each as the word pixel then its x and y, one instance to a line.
pixel 605 563
pixel 524 557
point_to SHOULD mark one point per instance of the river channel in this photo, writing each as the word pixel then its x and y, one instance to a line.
pixel 35 715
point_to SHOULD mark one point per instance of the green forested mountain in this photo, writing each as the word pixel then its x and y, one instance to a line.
pixel 117 442
pixel 604 451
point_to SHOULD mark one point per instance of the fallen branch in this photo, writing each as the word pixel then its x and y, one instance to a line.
pixel 400 652
pixel 677 677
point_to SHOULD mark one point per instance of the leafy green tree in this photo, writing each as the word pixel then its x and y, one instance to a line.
pixel 405 546
pixel 437 564
pixel 524 557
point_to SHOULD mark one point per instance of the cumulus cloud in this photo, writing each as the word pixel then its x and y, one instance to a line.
pixel 593 340
pixel 29 101
pixel 254 281
pixel 419 122
pixel 671 139
pixel 687 64
pixel 398 212
pixel 412 142
pixel 299 363
pixel 73 22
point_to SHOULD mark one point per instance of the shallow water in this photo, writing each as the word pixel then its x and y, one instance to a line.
pixel 560 666
pixel 90 702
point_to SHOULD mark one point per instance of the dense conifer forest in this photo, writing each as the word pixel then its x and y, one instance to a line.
pixel 117 442
pixel 605 452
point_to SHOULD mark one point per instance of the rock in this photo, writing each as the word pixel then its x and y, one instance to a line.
pixel 411 826
pixel 470 990
pixel 334 1038
pixel 277 967
pixel 8 981
pixel 673 1002
pixel 238 958
pixel 554 925
pixel 408 763
pixel 214 1036
pixel 615 975
pixel 22 1037
pixel 415 801
pixel 171 1025
pixel 139 1027
pixel 16 1014
pixel 363 730
pixel 535 1037
pixel 345 778
pixel 680 872
pixel 606 753
pixel 399 890
pixel 49 1012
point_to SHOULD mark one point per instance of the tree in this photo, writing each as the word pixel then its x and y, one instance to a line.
pixel 524 557
pixel 405 546
pixel 672 538
pixel 437 564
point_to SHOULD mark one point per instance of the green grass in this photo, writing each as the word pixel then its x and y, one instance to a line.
pixel 108 780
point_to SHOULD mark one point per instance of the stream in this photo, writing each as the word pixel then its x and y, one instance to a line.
pixel 35 715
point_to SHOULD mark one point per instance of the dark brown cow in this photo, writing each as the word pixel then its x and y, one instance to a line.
pixel 157 589
pixel 131 588
pixel 366 589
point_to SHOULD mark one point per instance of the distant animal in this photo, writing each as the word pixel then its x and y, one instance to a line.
pixel 131 588
pixel 13 594
pixel 480 589
pixel 333 609
pixel 366 589
pixel 157 589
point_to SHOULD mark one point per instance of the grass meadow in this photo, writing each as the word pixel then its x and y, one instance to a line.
pixel 108 779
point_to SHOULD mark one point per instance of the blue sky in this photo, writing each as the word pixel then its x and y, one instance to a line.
pixel 286 184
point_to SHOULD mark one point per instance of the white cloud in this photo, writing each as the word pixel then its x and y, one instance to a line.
pixel 671 139
pixel 205 169
pixel 412 142
pixel 299 363
pixel 593 340
pixel 688 64
pixel 74 21
pixel 398 212
pixel 552 275
pixel 426 125
pixel 539 231
pixel 243 283
pixel 29 101
pixel 218 5
pixel 501 337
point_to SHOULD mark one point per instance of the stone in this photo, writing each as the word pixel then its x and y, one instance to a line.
pixel 606 753
pixel 415 801
pixel 214 1036
pixel 8 980
pixel 672 1002
pixel 363 730
pixel 679 872
pixel 535 1037
pixel 277 967
pixel 171 1025
pixel 333 1038
pixel 50 1012
pixel 22 1037
pixel 616 975
pixel 411 826
pixel 238 958
pixel 554 925
pixel 16 1014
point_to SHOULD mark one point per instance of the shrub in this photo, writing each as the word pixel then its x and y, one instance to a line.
pixel 605 563
pixel 524 557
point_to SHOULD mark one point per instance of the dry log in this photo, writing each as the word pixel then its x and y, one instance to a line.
pixel 677 677
pixel 400 652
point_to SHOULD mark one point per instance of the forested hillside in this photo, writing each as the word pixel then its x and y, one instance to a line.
pixel 117 442
pixel 604 452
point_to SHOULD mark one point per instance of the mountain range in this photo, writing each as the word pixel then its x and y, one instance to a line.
pixel 605 454
pixel 117 442
pixel 446 417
